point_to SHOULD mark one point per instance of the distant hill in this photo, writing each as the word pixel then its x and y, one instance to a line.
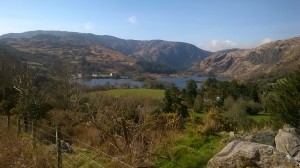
pixel 173 54
pixel 279 57
pixel 87 56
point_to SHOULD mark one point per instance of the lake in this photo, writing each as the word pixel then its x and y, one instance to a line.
pixel 110 81
pixel 179 81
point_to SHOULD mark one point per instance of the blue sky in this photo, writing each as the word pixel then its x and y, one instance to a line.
pixel 208 24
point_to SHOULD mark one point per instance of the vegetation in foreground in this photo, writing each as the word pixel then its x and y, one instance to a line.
pixel 143 127
pixel 17 152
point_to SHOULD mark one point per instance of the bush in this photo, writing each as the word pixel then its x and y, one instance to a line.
pixel 253 108
pixel 214 121
pixel 16 152
pixel 235 113
pixel 198 104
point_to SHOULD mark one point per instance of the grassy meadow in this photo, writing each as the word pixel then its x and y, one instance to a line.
pixel 140 92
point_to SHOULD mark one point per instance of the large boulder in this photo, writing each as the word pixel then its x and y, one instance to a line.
pixel 288 141
pixel 240 154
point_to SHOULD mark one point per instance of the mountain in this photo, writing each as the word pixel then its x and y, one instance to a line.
pixel 277 57
pixel 173 54
pixel 84 55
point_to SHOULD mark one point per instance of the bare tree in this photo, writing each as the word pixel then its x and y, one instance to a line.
pixel 124 124
pixel 31 103
pixel 64 93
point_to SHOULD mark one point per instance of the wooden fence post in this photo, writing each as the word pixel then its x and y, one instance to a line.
pixel 33 133
pixel 58 147
pixel 8 121
pixel 18 126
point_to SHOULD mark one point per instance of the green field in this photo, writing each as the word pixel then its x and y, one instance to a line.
pixel 259 118
pixel 191 150
pixel 153 93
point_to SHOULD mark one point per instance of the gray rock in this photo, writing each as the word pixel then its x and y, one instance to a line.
pixel 288 141
pixel 240 154
pixel 66 147
pixel 264 137
pixel 231 134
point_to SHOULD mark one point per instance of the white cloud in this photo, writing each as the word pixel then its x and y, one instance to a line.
pixel 89 27
pixel 132 19
pixel 266 40
pixel 216 45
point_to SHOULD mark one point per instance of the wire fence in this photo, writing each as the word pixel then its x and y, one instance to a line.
pixel 90 147
pixel 38 131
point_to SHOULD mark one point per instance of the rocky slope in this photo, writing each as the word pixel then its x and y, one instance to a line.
pixel 276 57
pixel 174 54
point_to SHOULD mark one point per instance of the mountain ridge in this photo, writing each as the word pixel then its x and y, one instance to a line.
pixel 161 51
pixel 278 57
pixel 111 53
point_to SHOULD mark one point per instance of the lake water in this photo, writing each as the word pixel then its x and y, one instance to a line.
pixel 180 81
pixel 110 81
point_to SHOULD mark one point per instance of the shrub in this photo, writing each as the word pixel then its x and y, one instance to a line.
pixel 214 121
pixel 253 108
pixel 16 152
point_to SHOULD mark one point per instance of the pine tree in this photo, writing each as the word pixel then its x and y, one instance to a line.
pixel 191 91
pixel 173 102
pixel 283 101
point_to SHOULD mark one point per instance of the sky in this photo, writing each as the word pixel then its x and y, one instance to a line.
pixel 209 24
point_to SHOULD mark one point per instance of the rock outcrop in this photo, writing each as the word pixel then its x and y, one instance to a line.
pixel 263 137
pixel 238 154
pixel 288 141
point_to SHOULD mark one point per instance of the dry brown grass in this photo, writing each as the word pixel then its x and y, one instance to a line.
pixel 17 153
